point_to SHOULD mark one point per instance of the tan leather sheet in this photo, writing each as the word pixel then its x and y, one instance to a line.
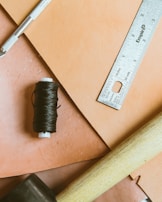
pixel 20 150
pixel 79 41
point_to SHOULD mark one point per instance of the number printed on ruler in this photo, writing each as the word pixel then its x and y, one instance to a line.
pixel 131 53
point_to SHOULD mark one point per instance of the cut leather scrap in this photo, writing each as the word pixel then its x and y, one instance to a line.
pixel 21 150
pixel 151 178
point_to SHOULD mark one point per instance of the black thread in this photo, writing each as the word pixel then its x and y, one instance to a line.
pixel 45 106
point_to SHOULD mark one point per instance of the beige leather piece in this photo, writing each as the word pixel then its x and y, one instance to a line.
pixel 21 151
pixel 79 40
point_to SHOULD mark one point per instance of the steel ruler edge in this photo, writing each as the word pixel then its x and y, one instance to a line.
pixel 131 54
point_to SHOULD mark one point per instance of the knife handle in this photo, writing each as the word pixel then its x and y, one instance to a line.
pixel 132 153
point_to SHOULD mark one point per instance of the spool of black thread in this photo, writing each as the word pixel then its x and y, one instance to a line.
pixel 45 107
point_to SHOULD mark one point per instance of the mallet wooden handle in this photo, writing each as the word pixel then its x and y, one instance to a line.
pixel 135 151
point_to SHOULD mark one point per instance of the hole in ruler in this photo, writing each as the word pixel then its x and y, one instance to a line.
pixel 117 87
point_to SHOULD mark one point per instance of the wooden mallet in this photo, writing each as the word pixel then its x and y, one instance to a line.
pixel 132 153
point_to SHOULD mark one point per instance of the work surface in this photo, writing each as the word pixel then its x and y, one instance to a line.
pixel 18 77
pixel 91 148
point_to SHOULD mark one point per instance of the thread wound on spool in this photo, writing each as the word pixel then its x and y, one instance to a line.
pixel 45 107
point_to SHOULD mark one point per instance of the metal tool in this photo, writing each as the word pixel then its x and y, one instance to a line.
pixel 21 28
pixel 131 53
pixel 32 189
pixel 146 200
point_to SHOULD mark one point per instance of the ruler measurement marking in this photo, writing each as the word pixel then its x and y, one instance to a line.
pixel 130 55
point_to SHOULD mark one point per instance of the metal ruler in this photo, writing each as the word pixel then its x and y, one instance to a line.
pixel 131 53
